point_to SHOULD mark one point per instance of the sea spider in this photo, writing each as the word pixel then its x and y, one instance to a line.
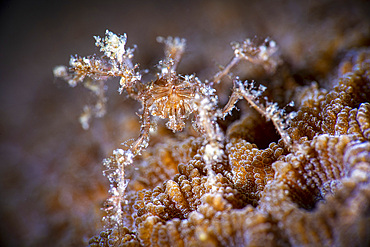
pixel 170 96
pixel 172 99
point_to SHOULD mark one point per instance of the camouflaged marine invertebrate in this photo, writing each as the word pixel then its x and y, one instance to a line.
pixel 302 179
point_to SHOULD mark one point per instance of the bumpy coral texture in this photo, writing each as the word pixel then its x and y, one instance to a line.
pixel 313 192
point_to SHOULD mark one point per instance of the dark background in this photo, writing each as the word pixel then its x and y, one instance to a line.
pixel 50 171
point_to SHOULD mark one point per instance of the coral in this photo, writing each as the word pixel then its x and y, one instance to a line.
pixel 335 112
pixel 308 186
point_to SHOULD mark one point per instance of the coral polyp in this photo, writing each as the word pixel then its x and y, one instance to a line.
pixel 219 185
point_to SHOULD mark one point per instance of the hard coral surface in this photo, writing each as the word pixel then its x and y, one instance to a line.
pixel 315 192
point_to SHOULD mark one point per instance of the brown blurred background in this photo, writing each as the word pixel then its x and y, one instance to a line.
pixel 51 183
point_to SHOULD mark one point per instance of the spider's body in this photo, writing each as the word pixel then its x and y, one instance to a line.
pixel 172 99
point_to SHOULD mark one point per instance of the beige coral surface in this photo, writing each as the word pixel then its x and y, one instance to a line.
pixel 314 192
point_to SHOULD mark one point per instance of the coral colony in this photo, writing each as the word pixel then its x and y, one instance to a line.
pixel 221 188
